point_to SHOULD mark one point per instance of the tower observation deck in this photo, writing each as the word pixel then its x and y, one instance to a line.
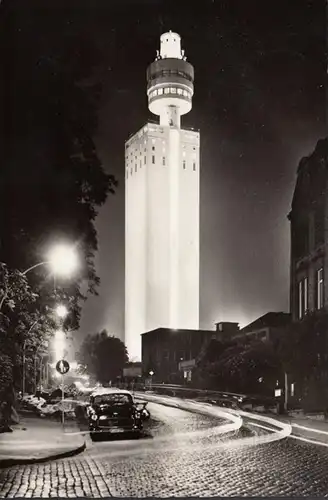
pixel 170 82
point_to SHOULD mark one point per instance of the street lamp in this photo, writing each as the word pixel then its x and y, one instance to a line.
pixel 151 373
pixel 61 311
pixel 61 258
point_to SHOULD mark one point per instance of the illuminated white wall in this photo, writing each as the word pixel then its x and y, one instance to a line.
pixel 162 232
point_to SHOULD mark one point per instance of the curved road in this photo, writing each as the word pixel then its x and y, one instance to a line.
pixel 185 454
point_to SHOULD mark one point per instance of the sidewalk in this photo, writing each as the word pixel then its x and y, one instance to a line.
pixel 36 440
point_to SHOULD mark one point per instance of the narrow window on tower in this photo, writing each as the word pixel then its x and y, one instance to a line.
pixel 153 159
pixel 320 288
pixel 194 166
pixel 179 91
pixel 145 159
pixel 135 167
pixel 164 160
pixel 140 163
pixel 153 148
pixel 160 91
pixel 131 171
pixel 184 164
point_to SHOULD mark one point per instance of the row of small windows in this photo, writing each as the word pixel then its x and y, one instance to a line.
pixel 170 90
pixel 153 160
pixel 171 72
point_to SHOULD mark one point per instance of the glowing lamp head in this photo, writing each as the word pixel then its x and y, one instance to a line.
pixel 61 311
pixel 63 260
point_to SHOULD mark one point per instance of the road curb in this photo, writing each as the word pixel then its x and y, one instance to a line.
pixel 28 461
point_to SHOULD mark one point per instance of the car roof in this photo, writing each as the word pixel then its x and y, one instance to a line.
pixel 109 390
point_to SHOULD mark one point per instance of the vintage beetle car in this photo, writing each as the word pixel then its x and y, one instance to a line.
pixel 113 411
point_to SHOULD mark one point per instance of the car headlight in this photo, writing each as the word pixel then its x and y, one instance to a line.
pixel 94 416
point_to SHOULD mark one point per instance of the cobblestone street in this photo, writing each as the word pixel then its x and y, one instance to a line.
pixel 177 460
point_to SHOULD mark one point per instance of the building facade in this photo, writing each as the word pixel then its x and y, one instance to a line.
pixel 164 349
pixel 309 235
pixel 268 327
pixel 162 205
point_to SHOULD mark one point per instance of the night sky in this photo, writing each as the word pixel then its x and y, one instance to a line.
pixel 260 106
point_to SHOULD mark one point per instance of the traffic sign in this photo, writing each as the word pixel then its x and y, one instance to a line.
pixel 62 366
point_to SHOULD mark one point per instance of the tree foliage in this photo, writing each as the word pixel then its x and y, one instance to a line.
pixel 52 182
pixel 103 356
pixel 249 366
pixel 51 179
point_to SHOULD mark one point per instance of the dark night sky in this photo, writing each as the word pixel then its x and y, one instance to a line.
pixel 260 106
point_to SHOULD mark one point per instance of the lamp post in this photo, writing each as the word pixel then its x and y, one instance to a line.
pixel 151 373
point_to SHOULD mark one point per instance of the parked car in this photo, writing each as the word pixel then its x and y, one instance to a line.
pixel 113 411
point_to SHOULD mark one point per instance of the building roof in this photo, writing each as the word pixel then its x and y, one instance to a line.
pixel 172 330
pixel 269 320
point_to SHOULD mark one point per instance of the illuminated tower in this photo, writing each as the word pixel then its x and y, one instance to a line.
pixel 162 205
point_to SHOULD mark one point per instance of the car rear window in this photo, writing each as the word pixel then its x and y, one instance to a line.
pixel 113 399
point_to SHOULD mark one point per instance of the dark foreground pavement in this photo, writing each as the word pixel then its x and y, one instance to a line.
pixel 184 455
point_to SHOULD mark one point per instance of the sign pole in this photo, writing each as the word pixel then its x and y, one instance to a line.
pixel 63 414
pixel 62 367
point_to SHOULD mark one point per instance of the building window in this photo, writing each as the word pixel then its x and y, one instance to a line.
pixel 194 166
pixel 164 160
pixel 135 167
pixel 131 171
pixel 153 159
pixel 145 159
pixel 166 91
pixel 302 298
pixel 185 93
pixel 179 91
pixel 320 288
pixel 173 90
pixel 184 164
pixel 153 148
pixel 160 91
pixel 140 163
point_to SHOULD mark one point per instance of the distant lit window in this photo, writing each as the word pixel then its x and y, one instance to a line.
pixel 185 93
pixel 184 153
pixel 320 288
pixel 166 91
pixel 135 168
pixel 179 91
pixel 194 166
pixel 164 160
pixel 145 159
pixel 184 164
pixel 153 159
pixel 302 298
pixel 155 92
pixel 160 91
pixel 173 90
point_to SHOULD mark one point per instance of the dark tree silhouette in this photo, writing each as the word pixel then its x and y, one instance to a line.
pixel 103 356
